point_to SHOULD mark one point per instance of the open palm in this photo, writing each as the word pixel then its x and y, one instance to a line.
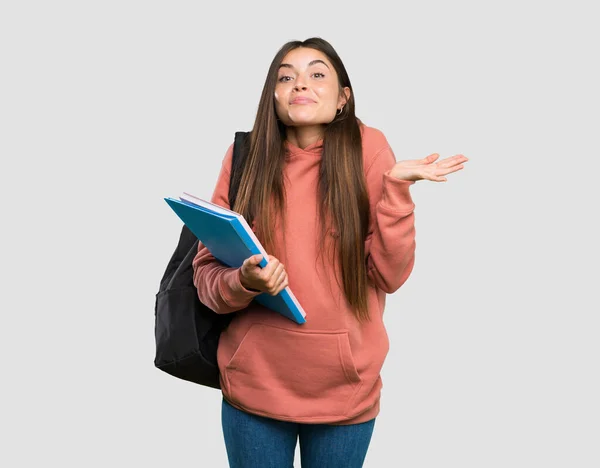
pixel 426 168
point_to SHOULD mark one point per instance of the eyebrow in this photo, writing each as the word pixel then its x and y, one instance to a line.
pixel 313 62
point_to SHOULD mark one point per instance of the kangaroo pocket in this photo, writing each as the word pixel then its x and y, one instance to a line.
pixel 290 374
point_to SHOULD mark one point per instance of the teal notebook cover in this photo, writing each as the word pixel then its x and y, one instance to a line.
pixel 230 240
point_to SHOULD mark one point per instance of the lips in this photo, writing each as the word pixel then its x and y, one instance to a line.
pixel 302 100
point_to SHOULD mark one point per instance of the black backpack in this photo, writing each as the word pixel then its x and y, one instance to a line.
pixel 186 331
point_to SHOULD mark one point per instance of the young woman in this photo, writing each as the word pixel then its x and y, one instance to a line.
pixel 331 205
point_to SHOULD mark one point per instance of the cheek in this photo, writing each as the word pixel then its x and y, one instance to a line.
pixel 280 99
pixel 328 95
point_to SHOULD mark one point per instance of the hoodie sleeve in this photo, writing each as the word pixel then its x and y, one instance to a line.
pixel 219 287
pixel 390 243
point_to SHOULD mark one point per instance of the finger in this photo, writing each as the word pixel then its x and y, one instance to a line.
pixel 254 260
pixel 275 280
pixel 274 275
pixel 273 261
pixel 282 278
pixel 284 284
pixel 275 284
pixel 268 275
pixel 426 160
pixel 271 267
pixel 281 284
pixel 449 170
pixel 458 159
pixel 439 176
pixel 429 159
pixel 271 264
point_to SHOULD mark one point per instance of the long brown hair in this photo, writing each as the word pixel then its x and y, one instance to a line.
pixel 342 187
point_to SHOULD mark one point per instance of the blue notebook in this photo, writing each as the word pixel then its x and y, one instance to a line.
pixel 229 238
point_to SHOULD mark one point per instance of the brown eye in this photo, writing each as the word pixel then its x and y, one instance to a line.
pixel 319 73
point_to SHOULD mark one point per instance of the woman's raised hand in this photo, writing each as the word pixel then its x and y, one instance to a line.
pixel 426 168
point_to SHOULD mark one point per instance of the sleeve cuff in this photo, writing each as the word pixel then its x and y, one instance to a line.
pixel 396 194
pixel 233 292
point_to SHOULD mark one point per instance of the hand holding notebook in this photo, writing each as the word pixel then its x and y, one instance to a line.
pixel 229 238
pixel 271 279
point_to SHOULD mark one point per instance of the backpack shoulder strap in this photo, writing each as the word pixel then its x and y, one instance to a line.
pixel 241 145
pixel 178 272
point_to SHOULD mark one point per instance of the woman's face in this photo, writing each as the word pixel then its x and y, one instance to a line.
pixel 307 89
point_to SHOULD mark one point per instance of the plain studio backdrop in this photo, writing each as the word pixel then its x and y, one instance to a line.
pixel 108 107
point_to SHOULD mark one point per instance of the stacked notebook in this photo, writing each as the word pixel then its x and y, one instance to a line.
pixel 229 238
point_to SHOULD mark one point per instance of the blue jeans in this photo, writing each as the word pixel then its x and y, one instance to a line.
pixel 258 442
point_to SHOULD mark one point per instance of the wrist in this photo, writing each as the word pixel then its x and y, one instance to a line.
pixel 401 176
pixel 244 283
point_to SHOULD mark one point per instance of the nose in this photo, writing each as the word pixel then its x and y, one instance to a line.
pixel 299 85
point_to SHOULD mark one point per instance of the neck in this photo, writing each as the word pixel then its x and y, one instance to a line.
pixel 304 136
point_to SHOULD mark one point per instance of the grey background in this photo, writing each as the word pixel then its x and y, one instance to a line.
pixel 107 107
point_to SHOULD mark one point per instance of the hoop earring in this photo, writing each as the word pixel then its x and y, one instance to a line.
pixel 340 110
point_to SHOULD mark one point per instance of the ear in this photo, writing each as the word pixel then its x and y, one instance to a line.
pixel 344 97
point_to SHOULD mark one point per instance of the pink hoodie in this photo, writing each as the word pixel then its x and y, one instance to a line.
pixel 326 370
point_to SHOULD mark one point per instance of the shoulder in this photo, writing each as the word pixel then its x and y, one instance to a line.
pixel 373 139
pixel 374 144
pixel 227 160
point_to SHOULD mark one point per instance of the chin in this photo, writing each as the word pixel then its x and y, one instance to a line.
pixel 303 121
pixel 303 124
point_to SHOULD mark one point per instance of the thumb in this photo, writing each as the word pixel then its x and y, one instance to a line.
pixel 429 159
pixel 254 260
